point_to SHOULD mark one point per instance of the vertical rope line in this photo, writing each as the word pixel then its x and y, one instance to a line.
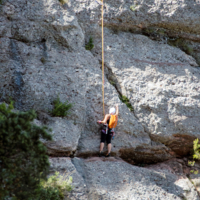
pixel 102 57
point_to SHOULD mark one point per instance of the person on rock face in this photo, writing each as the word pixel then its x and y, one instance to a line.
pixel 110 122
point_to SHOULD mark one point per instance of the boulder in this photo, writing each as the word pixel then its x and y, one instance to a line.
pixel 65 137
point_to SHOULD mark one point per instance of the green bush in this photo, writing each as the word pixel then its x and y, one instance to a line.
pixel 23 159
pixel 196 155
pixel 89 45
pixel 125 100
pixel 54 188
pixel 60 109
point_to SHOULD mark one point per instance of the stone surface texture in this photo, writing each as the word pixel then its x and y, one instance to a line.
pixel 115 179
pixel 152 50
pixel 66 169
pixel 164 101
pixel 65 137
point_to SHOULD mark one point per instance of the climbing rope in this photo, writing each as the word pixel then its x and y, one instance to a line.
pixel 102 58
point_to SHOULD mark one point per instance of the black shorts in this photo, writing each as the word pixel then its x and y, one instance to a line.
pixel 106 137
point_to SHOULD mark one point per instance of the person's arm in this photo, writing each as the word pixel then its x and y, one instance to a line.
pixel 117 110
pixel 105 119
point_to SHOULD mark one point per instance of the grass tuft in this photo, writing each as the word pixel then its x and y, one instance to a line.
pixel 60 109
pixel 55 187
pixel 89 45
pixel 125 100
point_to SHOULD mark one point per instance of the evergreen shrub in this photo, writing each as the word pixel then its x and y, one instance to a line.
pixel 89 45
pixel 23 159
pixel 60 109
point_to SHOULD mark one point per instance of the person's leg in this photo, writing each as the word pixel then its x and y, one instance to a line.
pixel 109 136
pixel 103 139
pixel 109 147
pixel 101 146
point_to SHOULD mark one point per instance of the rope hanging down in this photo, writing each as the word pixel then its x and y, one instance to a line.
pixel 102 58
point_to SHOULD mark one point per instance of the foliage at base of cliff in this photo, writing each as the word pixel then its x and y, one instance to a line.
pixel 23 159
pixel 54 188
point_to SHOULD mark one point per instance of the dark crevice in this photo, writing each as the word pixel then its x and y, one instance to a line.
pixel 20 40
pixel 86 155
pixel 112 79
pixel 181 144
pixel 57 153
pixel 44 58
pixel 17 81
pixel 114 82
pixel 135 156
pixel 130 156
pixel 145 155
pixel 79 166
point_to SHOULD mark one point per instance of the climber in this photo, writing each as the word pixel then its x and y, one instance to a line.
pixel 109 122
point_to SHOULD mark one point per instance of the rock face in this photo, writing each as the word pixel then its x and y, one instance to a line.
pixel 43 56
pixel 115 179
pixel 164 101
pixel 65 137
pixel 152 53
pixel 66 169
pixel 178 18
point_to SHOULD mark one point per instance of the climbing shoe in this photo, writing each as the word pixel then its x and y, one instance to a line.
pixel 100 154
pixel 108 155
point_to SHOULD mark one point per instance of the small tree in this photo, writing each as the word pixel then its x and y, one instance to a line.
pixel 60 109
pixel 23 159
